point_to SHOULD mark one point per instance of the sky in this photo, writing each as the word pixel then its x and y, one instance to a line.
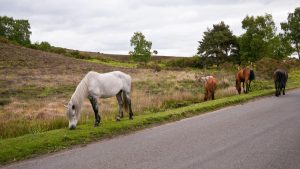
pixel 173 26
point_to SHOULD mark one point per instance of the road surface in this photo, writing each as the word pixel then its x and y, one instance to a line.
pixel 264 133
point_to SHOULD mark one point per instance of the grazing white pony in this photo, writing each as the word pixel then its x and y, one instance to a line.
pixel 95 85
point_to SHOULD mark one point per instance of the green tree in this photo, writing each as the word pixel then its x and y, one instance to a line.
pixel 15 30
pixel 280 47
pixel 218 45
pixel 142 48
pixel 291 29
pixel 258 39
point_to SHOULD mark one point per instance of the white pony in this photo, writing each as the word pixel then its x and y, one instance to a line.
pixel 95 85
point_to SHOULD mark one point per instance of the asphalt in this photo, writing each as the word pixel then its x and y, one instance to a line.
pixel 260 134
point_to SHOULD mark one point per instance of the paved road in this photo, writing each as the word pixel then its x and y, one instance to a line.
pixel 264 133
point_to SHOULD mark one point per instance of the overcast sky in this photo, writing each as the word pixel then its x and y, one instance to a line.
pixel 173 26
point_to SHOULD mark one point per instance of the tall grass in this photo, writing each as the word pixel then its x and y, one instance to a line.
pixel 151 94
pixel 21 126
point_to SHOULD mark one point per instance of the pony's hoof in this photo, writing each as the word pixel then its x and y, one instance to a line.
pixel 130 118
pixel 96 124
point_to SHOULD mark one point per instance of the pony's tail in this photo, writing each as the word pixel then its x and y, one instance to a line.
pixel 125 101
pixel 252 75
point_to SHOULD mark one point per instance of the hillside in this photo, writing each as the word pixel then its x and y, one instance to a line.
pixel 21 58
pixel 35 86
pixel 21 66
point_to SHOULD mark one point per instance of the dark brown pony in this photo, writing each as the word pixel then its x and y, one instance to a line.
pixel 280 77
pixel 245 75
pixel 210 87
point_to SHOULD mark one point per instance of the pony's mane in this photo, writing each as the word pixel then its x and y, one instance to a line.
pixel 80 94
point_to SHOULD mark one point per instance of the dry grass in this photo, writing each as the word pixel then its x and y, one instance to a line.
pixel 36 85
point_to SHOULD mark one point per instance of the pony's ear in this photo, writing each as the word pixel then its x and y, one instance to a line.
pixel 73 107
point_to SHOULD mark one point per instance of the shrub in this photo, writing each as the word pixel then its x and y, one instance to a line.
pixel 58 50
pixel 265 67
pixel 194 62
pixel 3 39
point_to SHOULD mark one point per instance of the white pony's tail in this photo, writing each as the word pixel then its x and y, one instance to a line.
pixel 125 101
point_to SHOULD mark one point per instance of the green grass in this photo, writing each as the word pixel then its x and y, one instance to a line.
pixel 113 63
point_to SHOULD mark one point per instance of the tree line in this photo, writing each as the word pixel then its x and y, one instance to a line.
pixel 218 45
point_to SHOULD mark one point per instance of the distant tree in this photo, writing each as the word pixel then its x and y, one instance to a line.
pixel 218 45
pixel 291 29
pixel 45 46
pixel 142 48
pixel 258 40
pixel 280 47
pixel 155 52
pixel 15 30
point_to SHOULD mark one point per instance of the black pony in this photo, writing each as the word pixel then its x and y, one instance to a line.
pixel 280 77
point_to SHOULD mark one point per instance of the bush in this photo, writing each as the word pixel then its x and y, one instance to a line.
pixel 76 54
pixel 3 39
pixel 58 50
pixel 265 67
pixel 194 62
pixel 155 66
pixel 45 46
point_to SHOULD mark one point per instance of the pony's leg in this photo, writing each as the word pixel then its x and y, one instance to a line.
pixel 213 96
pixel 205 95
pixel 275 88
pixel 120 102
pixel 94 102
pixel 249 85
pixel 129 105
pixel 277 92
pixel 280 89
pixel 283 89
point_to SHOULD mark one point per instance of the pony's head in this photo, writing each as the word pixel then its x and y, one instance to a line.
pixel 238 86
pixel 72 115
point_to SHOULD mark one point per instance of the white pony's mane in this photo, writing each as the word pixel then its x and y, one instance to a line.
pixel 80 94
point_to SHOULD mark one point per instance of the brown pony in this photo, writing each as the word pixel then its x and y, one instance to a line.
pixel 210 86
pixel 244 76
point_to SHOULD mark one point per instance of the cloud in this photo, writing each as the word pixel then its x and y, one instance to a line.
pixel 173 26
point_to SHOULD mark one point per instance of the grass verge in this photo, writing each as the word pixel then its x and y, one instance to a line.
pixel 31 145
